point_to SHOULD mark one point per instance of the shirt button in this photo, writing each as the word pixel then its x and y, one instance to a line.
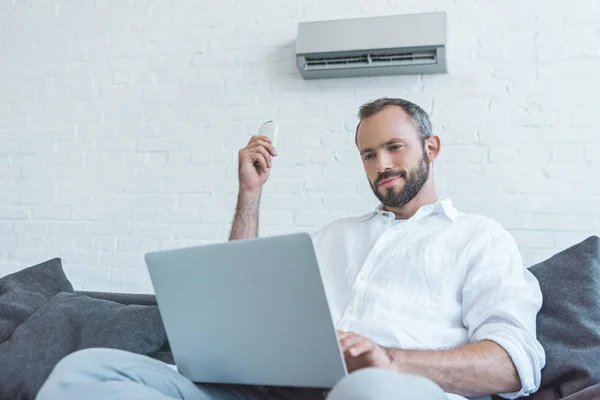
pixel 362 278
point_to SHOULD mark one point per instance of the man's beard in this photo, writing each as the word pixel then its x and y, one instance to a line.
pixel 413 183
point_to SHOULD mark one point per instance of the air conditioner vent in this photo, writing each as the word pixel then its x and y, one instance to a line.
pixel 372 60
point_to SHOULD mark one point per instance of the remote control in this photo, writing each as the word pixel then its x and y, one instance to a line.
pixel 269 129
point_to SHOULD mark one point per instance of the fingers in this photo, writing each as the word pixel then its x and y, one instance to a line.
pixel 360 348
pixel 264 141
pixel 354 344
pixel 262 161
pixel 267 145
pixel 264 152
pixel 350 340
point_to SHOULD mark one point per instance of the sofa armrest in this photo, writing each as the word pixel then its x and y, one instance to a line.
pixel 123 298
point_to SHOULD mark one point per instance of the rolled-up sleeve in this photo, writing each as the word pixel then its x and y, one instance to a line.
pixel 501 299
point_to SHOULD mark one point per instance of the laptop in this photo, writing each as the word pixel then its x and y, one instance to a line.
pixel 250 312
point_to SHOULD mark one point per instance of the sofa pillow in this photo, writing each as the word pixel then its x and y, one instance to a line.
pixel 25 291
pixel 70 322
pixel 568 325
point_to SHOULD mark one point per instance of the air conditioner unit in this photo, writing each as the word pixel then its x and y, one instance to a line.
pixel 390 45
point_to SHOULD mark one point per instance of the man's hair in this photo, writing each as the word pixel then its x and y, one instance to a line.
pixel 419 117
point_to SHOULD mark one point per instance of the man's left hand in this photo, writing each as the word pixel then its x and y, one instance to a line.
pixel 361 352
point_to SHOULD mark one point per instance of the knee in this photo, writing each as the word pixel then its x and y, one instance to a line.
pixel 83 360
pixel 73 368
pixel 380 384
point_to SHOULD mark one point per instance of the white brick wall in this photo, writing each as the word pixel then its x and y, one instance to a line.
pixel 120 122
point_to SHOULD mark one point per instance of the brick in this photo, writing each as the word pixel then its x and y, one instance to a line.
pixel 69 228
pixel 137 244
pixel 339 186
pixel 179 243
pixel 197 232
pixel 567 152
pixel 161 145
pixel 559 222
pixel 534 256
pixel 106 243
pixel 165 116
pixel 560 134
pixel 59 243
pixel 157 159
pixel 79 274
pixel 285 202
pixel 90 214
pixel 277 218
pixel 8 241
pixel 27 241
pixel 153 231
pixel 177 216
pixel 121 259
pixel 110 228
pixel 14 213
pixel 113 200
pixel 592 154
pixel 126 275
pixel 316 220
pixel 184 187
pixel 217 216
pixel 571 172
pixel 83 243
pixel 470 154
pixel 283 185
pixel 67 199
pixel 7 227
pixel 519 155
pixel 114 144
pixel 192 200
pixel 52 213
pixel 141 186
pixel 534 239
pixel 31 227
pixel 156 201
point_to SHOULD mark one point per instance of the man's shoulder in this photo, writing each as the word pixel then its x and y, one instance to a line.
pixel 479 224
pixel 342 224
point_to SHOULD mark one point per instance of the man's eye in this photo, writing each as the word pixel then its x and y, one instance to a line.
pixel 368 156
pixel 395 147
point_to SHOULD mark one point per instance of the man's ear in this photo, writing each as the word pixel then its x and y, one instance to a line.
pixel 432 148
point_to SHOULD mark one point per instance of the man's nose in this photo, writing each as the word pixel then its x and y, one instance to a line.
pixel 384 162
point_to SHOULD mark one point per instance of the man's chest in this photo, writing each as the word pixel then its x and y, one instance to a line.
pixel 420 266
pixel 430 252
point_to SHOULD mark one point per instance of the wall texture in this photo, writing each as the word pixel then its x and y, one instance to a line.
pixel 120 122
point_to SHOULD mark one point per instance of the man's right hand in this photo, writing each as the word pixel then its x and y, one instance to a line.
pixel 255 162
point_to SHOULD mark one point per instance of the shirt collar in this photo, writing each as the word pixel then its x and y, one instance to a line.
pixel 441 207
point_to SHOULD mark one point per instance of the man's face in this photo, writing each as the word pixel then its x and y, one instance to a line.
pixel 395 161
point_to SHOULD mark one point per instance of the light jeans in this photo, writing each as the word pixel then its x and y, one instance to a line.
pixel 107 374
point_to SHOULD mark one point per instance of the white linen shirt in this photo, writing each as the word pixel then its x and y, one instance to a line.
pixel 438 280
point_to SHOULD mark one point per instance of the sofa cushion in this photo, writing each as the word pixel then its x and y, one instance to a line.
pixel 568 325
pixel 25 291
pixel 70 322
